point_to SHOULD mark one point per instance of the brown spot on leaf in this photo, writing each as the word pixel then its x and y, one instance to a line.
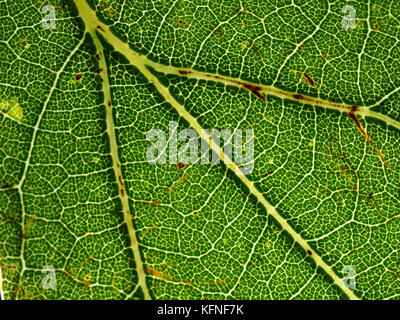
pixel 100 28
pixel 309 252
pixel 155 203
pixel 353 109
pixel 155 273
pixel 180 165
pixel 114 212
pixel 376 27
pixel 256 50
pixel 218 30
pixel 353 117
pixel 309 79
pixel 68 273
pixel 298 96
pixel 86 282
pixel 254 90
pixel 78 77
pixel 180 180
pixel 183 72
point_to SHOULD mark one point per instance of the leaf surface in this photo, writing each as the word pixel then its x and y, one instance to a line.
pixel 76 190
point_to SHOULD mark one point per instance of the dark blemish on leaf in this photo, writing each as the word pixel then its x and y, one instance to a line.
pixel 254 90
pixel 155 203
pixel 114 212
pixel 183 72
pixel 68 273
pixel 78 77
pixel 310 81
pixel 180 180
pixel 100 28
pixel 256 50
pixel 218 30
pixel 122 192
pixel 353 117
pixel 99 70
pixel 97 56
pixel 195 212
pixel 101 79
pixel 376 26
pixel 180 21
pixel 120 180
pixel 299 48
pixel 309 252
pixel 180 165
pixel 109 103
pixel 154 272
pixel 298 96
pixel 205 298
pixel 358 125
pixel 353 109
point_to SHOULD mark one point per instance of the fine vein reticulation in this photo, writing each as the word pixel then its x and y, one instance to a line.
pixel 140 61
pixel 79 194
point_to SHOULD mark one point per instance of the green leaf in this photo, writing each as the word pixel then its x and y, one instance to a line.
pixel 84 215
